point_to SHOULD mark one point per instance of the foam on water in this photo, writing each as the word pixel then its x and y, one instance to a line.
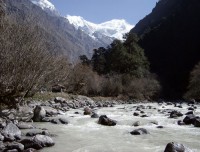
pixel 84 134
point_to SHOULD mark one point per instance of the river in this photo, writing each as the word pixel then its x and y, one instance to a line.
pixel 84 134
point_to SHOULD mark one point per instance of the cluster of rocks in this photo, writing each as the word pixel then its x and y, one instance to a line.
pixel 12 139
pixel 12 121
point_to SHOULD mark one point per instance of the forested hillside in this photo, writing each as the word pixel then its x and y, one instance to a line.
pixel 170 38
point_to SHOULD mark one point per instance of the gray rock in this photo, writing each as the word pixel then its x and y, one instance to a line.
pixel 10 131
pixel 136 114
pixel 176 147
pixel 190 113
pixel 180 123
pixel 94 115
pixel 63 120
pixel 2 146
pixel 15 145
pixel 39 114
pixel 136 124
pixel 104 120
pixel 59 121
pixel 175 114
pixel 189 119
pixel 87 111
pixel 139 131
pixel 1 137
pixel 197 122
pixel 34 132
pixel 30 143
pixel 44 141
pixel 30 150
pixel 159 127
pixel 23 125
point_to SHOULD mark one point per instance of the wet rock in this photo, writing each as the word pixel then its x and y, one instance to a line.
pixel 87 111
pixel 44 141
pixel 160 127
pixel 104 120
pixel 50 111
pixel 169 103
pixel 1 137
pixel 63 120
pixel 23 125
pixel 136 124
pixel 175 114
pixel 136 114
pixel 190 108
pixel 46 119
pixel 190 113
pixel 139 131
pixel 30 143
pixel 2 123
pixel 39 114
pixel 180 123
pixel 76 112
pixel 94 115
pixel 154 122
pixel 15 145
pixel 143 116
pixel 176 147
pixel 189 119
pixel 197 122
pixel 2 146
pixel 59 121
pixel 11 131
pixel 30 150
pixel 141 111
pixel 138 109
pixel 35 132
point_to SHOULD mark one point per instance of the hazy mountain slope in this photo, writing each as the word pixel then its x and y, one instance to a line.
pixel 170 37
pixel 114 29
pixel 62 36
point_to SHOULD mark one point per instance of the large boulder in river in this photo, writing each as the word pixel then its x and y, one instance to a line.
pixel 139 131
pixel 189 119
pixel 44 141
pixel 39 114
pixel 176 147
pixel 11 131
pixel 104 120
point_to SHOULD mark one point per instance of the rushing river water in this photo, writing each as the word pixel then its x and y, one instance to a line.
pixel 84 134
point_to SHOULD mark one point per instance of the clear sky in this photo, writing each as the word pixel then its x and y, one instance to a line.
pixel 99 11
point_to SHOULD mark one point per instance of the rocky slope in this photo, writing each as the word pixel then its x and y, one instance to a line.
pixel 58 33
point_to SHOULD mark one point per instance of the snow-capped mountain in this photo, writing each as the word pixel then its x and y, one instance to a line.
pixel 114 29
pixel 45 5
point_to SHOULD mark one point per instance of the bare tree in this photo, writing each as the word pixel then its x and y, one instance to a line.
pixel 25 62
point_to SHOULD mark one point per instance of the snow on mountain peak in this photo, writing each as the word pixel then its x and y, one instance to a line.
pixel 114 29
pixel 44 4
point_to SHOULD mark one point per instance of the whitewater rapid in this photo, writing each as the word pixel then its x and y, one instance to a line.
pixel 84 134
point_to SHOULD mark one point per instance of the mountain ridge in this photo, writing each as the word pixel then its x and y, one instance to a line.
pixel 114 28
